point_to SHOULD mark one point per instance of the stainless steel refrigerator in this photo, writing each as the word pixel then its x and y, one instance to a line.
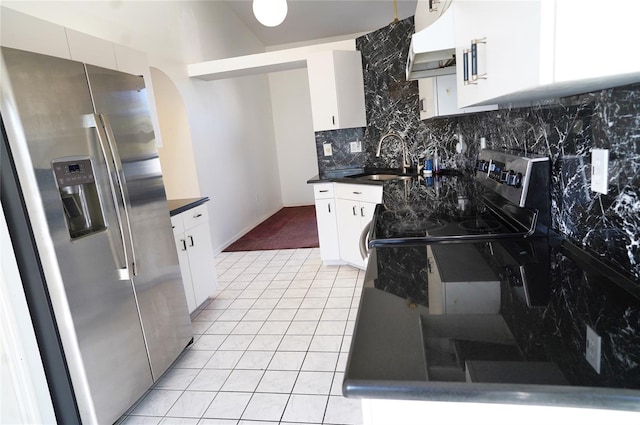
pixel 82 144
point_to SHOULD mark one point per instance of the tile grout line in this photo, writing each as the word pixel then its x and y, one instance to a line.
pixel 242 285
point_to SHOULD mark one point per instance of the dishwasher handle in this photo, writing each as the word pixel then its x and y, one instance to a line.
pixel 364 241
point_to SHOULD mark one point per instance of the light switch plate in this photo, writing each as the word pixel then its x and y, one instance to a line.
pixel 593 350
pixel 356 146
pixel 327 149
pixel 600 170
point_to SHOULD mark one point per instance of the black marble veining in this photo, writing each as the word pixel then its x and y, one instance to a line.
pixel 565 130
pixel 341 157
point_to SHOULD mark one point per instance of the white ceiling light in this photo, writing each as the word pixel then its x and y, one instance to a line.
pixel 270 13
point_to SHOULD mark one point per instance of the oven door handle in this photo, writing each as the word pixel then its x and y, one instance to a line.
pixel 364 241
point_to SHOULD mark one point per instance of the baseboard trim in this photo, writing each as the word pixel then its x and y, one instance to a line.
pixel 244 231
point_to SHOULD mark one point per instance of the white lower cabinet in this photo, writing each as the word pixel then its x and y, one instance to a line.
pixel 342 212
pixel 195 253
pixel 327 223
pixel 355 205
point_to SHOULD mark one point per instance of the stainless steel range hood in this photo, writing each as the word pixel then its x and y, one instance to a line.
pixel 432 51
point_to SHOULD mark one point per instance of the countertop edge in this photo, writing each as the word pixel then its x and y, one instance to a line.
pixel 517 394
pixel 401 380
pixel 177 206
pixel 351 180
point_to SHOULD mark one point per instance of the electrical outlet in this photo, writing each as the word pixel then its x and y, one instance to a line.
pixel 327 149
pixel 356 146
pixel 592 353
pixel 600 170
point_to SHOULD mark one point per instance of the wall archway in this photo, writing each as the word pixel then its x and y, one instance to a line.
pixel 176 153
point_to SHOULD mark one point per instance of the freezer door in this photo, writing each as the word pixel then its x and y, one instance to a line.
pixel 48 115
pixel 121 102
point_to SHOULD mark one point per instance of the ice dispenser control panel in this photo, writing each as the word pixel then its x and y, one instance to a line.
pixel 79 196
pixel 69 173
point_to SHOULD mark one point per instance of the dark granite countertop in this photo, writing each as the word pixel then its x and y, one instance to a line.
pixel 177 206
pixel 528 352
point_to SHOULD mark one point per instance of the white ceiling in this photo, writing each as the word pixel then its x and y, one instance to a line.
pixel 317 19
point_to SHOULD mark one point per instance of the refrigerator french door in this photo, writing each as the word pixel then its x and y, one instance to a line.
pixel 84 151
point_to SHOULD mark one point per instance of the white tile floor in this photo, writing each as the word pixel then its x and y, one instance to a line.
pixel 270 348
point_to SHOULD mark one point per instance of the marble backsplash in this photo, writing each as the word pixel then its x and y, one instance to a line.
pixel 566 130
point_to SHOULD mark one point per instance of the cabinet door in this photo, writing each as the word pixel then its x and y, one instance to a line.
pixel 92 50
pixel 322 89
pixel 606 54
pixel 349 89
pixel 428 103
pixel 185 270
pixel 336 87
pixel 508 40
pixel 203 270
pixel 350 228
pixel 366 212
pixel 328 230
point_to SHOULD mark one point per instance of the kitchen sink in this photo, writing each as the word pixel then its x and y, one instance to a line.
pixel 381 176
pixel 386 177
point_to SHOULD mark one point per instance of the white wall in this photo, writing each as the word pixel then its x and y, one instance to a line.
pixel 296 146
pixel 230 120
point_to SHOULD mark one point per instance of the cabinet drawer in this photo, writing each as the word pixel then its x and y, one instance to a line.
pixel 195 216
pixel 323 190
pixel 177 224
pixel 359 192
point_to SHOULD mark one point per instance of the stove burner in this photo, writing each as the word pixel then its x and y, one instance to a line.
pixel 419 225
pixel 480 226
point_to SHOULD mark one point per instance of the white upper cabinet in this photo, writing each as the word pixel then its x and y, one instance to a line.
pixel 24 32
pixel 427 11
pixel 92 50
pixel 439 98
pixel 526 50
pixel 336 87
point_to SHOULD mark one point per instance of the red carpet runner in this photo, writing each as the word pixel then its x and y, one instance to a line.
pixel 291 227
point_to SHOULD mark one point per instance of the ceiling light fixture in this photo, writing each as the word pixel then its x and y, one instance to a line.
pixel 270 13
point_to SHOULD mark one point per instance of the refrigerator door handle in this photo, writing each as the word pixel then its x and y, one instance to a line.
pixel 122 188
pixel 122 263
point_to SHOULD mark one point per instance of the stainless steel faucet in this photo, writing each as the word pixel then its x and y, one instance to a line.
pixel 405 161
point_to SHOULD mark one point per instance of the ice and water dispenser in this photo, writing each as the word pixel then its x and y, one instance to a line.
pixel 79 194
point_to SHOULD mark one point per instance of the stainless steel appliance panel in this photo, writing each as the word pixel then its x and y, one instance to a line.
pixel 46 106
pixel 120 99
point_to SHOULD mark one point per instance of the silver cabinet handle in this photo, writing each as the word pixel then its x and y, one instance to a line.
pixel 191 240
pixel 324 191
pixel 465 67
pixel 197 216
pixel 121 258
pixel 474 59
pixel 123 189
pixel 184 244
pixel 329 207
pixel 361 211
pixel 333 119
pixel 354 210
pixel 357 193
